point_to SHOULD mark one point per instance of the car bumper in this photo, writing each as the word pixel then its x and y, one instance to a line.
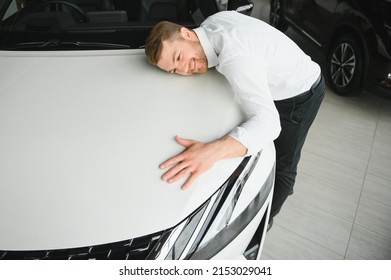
pixel 379 75
pixel 382 88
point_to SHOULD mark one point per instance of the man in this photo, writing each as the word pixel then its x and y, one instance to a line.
pixel 279 88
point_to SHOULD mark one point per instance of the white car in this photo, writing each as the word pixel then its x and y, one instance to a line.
pixel 82 135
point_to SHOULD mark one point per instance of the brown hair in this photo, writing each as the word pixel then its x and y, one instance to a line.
pixel 164 30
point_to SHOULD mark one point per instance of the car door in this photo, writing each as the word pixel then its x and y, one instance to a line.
pixel 311 17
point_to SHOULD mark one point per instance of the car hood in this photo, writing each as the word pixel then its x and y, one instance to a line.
pixel 82 136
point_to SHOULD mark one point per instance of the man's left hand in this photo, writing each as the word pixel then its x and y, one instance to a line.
pixel 198 157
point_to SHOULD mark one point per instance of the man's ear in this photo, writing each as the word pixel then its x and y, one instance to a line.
pixel 187 33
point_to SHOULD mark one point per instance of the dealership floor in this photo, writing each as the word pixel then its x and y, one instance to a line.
pixel 341 207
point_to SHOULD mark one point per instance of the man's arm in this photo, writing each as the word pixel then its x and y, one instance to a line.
pixel 248 78
pixel 199 157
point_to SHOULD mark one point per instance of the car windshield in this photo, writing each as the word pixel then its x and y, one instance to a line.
pixel 91 24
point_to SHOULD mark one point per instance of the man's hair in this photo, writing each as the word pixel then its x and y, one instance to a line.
pixel 164 30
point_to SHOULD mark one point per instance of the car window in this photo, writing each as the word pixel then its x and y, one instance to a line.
pixel 91 24
pixel 12 9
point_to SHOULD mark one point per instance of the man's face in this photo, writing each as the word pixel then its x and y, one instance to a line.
pixel 183 57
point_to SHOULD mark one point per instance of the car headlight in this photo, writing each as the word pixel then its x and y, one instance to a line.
pixel 241 6
pixel 194 238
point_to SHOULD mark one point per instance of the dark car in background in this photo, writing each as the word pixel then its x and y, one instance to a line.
pixel 355 36
pixel 61 24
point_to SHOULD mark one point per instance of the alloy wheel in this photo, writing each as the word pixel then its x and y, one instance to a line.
pixel 343 65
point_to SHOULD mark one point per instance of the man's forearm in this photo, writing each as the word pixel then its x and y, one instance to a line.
pixel 229 147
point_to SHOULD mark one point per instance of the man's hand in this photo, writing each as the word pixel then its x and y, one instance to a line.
pixel 199 157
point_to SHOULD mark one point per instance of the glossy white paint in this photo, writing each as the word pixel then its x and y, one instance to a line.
pixel 82 135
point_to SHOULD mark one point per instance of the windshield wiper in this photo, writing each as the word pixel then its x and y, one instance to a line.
pixel 53 44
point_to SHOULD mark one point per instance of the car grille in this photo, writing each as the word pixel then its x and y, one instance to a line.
pixel 132 249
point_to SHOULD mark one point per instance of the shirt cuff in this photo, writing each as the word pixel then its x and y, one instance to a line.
pixel 239 134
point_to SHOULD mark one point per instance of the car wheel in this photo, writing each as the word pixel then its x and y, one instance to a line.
pixel 276 16
pixel 345 66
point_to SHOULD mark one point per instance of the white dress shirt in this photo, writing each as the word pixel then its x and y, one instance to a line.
pixel 262 65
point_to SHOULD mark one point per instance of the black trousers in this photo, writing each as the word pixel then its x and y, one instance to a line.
pixel 296 116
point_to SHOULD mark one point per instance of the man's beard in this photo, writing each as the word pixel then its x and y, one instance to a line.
pixel 202 64
pixel 200 58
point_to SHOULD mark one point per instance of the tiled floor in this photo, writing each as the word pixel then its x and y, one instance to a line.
pixel 341 208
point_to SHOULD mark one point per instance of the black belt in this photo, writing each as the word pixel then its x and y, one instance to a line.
pixel 314 85
pixel 317 82
pixel 303 95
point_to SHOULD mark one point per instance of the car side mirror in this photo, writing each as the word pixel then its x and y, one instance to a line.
pixel 241 6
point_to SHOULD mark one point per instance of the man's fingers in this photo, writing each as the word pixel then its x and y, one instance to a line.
pixel 179 157
pixel 172 161
pixel 181 174
pixel 189 181
pixel 170 175
pixel 191 162
pixel 183 142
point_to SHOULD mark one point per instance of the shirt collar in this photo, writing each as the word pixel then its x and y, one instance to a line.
pixel 207 46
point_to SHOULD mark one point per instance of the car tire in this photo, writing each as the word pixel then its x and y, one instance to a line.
pixel 276 16
pixel 345 66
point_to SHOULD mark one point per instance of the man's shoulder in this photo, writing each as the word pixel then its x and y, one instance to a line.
pixel 225 14
pixel 230 18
